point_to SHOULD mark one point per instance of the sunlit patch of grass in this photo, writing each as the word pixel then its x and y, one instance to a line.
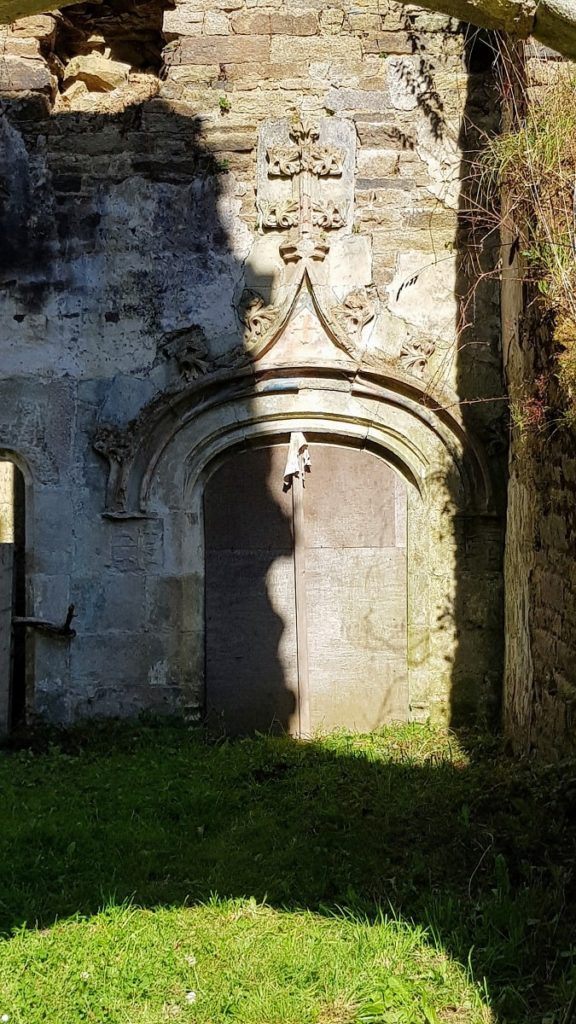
pixel 397 877
pixel 230 960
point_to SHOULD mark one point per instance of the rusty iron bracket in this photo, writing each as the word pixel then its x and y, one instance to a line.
pixel 62 630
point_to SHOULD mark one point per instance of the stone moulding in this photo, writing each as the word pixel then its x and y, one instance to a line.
pixel 133 453
pixel 343 322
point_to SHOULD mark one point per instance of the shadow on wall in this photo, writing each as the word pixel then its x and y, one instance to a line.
pixel 114 226
pixel 58 246
pixel 478 611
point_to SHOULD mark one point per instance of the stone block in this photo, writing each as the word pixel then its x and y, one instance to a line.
pixel 137 545
pixel 53 700
pixel 230 141
pixel 276 24
pixel 97 72
pixel 378 163
pixel 382 132
pixel 294 24
pixel 256 24
pixel 20 75
pixel 275 74
pixel 218 50
pixel 50 596
pixel 172 599
pixel 315 48
pixel 114 674
pixel 38 26
pixel 113 602
pixel 182 21
pixel 349 263
pixel 407 84
pixel 354 100
pixel 364 21
pixel 331 20
pixel 423 293
pixel 216 24
pixel 387 43
pixel 52 541
pixel 18 46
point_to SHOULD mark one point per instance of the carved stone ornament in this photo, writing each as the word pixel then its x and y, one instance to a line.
pixel 308 211
pixel 415 354
pixel 188 348
pixel 354 312
pixel 257 318
pixel 306 154
pixel 329 215
pixel 113 442
pixel 305 247
pixel 284 160
pixel 283 214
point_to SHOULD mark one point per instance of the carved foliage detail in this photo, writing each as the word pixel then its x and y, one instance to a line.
pixel 257 318
pixel 415 354
pixel 329 215
pixel 305 154
pixel 354 312
pixel 188 348
pixel 282 214
pixel 305 160
pixel 113 442
pixel 284 161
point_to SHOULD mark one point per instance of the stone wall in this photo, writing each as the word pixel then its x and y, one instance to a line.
pixel 136 245
pixel 540 680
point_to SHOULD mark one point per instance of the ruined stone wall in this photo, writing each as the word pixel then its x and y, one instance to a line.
pixel 540 691
pixel 129 179
pixel 540 676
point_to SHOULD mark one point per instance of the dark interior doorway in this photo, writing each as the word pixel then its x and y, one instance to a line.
pixel 12 596
pixel 305 593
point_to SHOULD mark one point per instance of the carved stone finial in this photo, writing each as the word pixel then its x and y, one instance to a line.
pixel 415 354
pixel 300 133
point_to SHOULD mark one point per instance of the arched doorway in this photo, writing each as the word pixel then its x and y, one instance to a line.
pixel 305 592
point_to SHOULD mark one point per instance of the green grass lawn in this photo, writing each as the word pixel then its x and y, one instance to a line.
pixel 148 876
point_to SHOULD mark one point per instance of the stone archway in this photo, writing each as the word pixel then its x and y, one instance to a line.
pixel 160 463
pixel 306 592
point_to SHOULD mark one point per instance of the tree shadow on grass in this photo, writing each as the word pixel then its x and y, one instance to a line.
pixel 479 850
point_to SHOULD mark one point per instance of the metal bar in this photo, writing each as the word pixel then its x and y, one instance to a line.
pixel 59 629
pixel 301 609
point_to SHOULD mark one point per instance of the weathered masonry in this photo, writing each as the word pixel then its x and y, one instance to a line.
pixel 231 232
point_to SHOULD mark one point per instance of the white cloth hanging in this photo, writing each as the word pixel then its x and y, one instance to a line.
pixel 298 459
